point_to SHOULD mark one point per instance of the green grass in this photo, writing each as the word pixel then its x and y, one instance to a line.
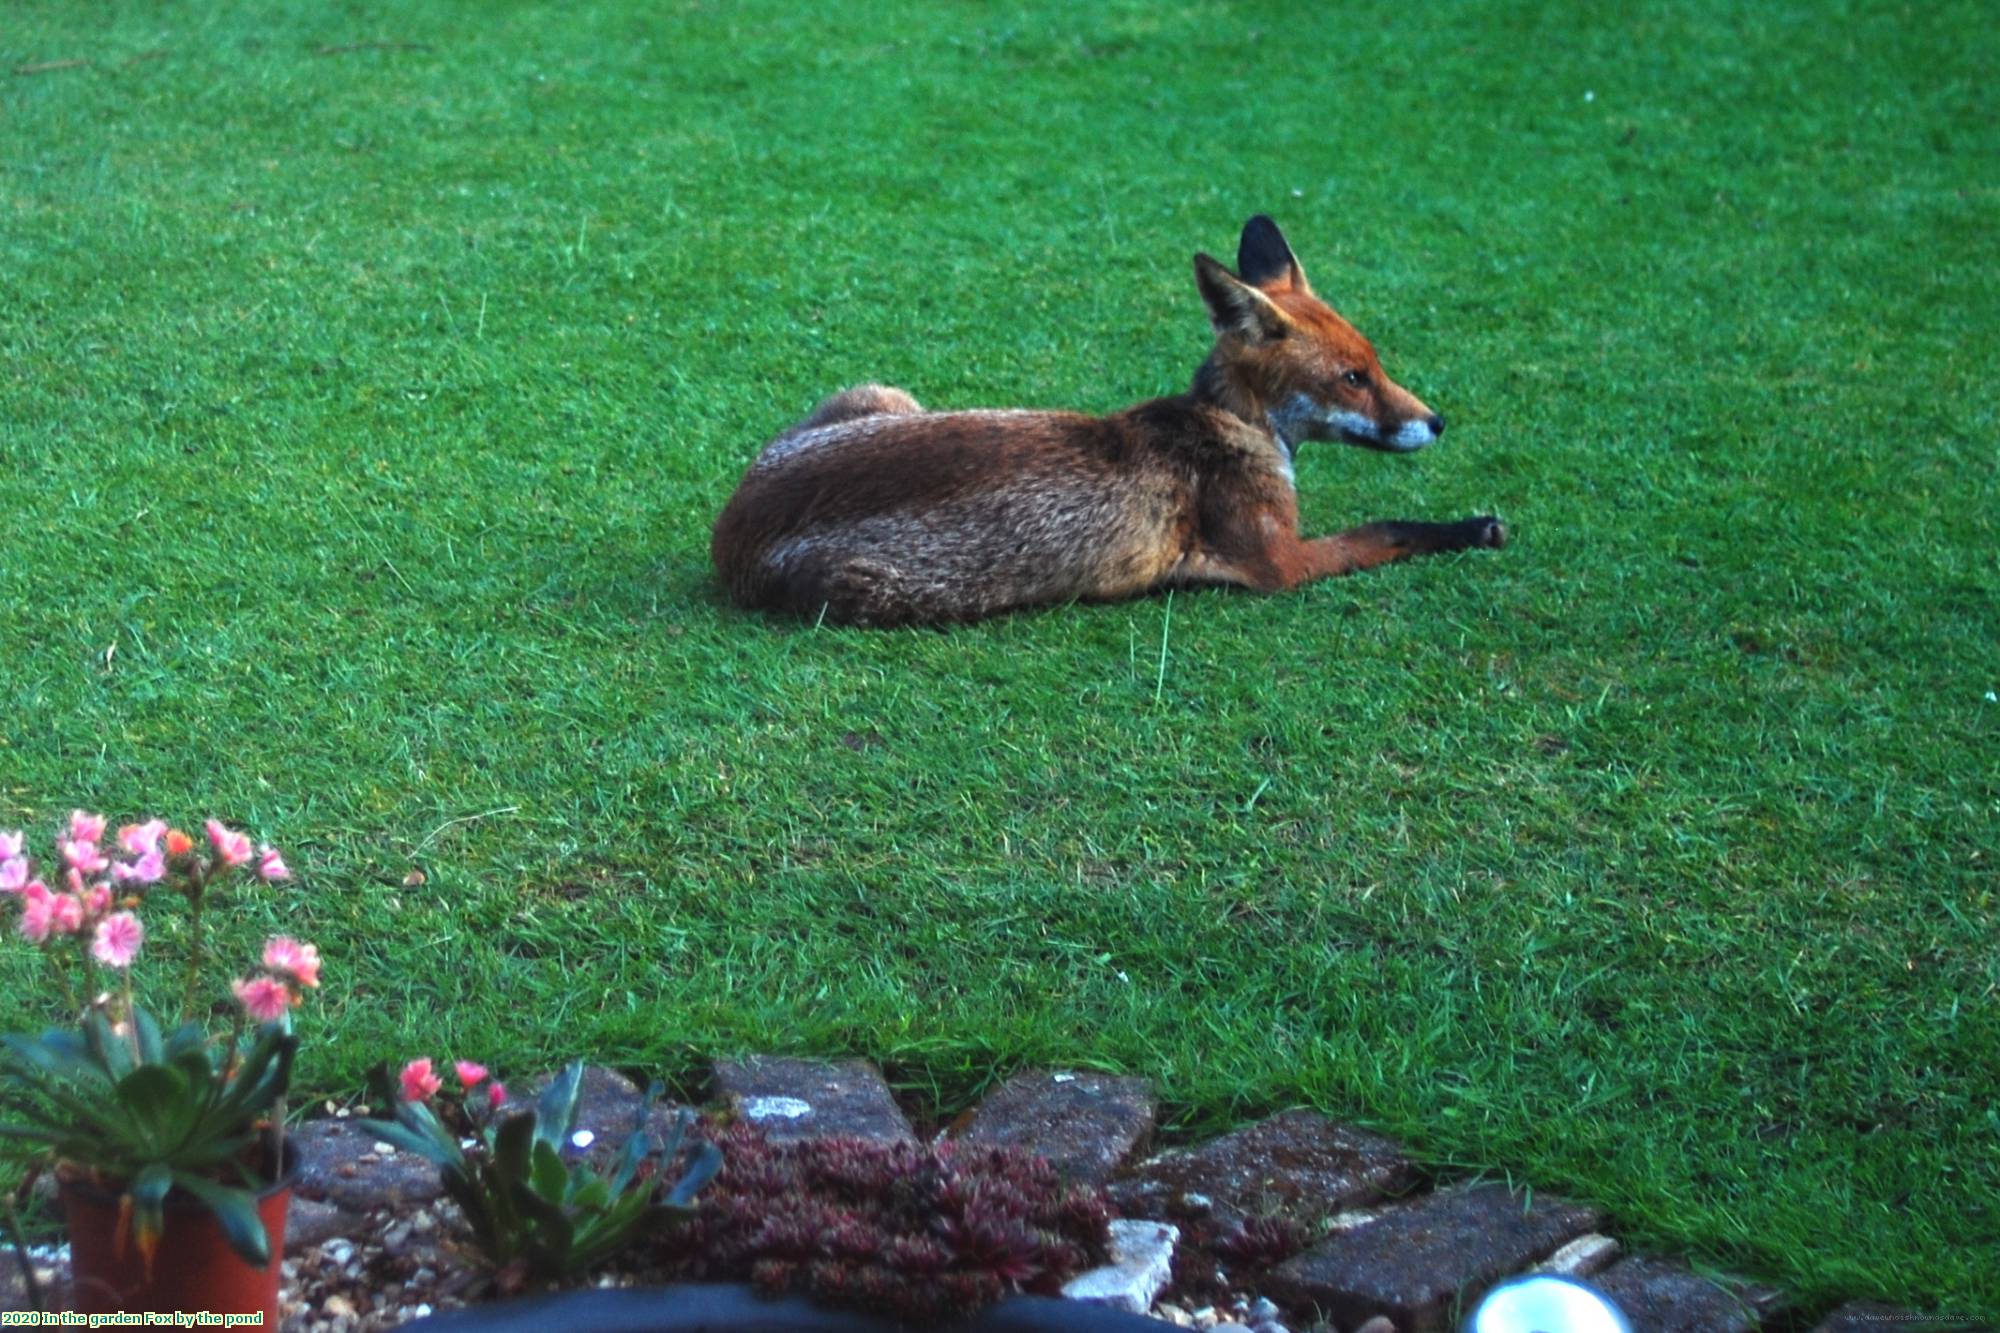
pixel 362 416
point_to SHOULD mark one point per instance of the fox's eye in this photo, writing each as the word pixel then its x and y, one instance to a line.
pixel 1354 379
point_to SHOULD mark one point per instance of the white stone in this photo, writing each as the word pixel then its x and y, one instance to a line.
pixel 1581 1257
pixel 1142 1256
pixel 1063 1078
pixel 775 1108
pixel 583 1138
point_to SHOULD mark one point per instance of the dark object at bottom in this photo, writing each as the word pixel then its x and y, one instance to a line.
pixel 728 1308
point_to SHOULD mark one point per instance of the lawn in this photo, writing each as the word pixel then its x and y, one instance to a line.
pixel 370 375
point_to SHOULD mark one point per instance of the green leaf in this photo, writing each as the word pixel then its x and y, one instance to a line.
pixel 589 1192
pixel 151 1049
pixel 60 1054
pixel 148 1188
pixel 555 1109
pixel 155 1098
pixel 439 1152
pixel 707 1161
pixel 637 1144
pixel 187 1037
pixel 107 1047
pixel 553 1230
pixel 511 1145
pixel 549 1177
pixel 236 1211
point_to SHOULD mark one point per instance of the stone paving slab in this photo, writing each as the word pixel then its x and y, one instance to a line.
pixel 795 1100
pixel 1661 1297
pixel 1423 1264
pixel 340 1164
pixel 1085 1124
pixel 1298 1163
pixel 606 1102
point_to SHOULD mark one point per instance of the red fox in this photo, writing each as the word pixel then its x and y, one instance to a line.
pixel 872 511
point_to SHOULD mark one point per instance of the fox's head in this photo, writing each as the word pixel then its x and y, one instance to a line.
pixel 1284 358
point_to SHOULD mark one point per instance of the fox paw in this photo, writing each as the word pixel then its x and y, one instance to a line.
pixel 1488 531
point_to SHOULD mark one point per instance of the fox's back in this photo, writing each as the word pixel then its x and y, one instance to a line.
pixel 916 516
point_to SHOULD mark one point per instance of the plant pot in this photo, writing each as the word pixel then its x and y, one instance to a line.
pixel 732 1308
pixel 194 1268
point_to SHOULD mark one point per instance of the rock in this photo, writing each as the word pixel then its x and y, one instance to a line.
pixel 1085 1124
pixel 1142 1255
pixel 1581 1257
pixel 1262 1311
pixel 1660 1297
pixel 606 1103
pixel 331 1169
pixel 1299 1163
pixel 1415 1264
pixel 796 1100
pixel 310 1222
pixel 1379 1324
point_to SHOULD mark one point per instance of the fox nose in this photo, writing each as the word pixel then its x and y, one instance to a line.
pixel 1436 424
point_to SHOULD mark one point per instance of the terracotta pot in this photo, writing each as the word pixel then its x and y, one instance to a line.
pixel 194 1269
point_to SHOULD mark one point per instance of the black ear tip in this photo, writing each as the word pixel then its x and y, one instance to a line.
pixel 1262 255
pixel 1263 230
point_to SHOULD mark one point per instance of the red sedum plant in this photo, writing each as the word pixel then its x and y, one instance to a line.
pixel 923 1235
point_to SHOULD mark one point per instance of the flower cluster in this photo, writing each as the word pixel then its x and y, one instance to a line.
pixel 142 1106
pixel 418 1082
pixel 99 881
pixel 289 969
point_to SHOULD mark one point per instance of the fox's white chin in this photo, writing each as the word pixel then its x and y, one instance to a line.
pixel 1354 428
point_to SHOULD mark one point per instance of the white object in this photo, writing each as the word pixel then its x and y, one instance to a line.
pixel 1546 1305
pixel 1142 1255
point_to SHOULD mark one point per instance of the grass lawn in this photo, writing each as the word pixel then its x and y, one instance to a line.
pixel 370 375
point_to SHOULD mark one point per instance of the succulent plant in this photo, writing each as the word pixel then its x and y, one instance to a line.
pixel 920 1234
pixel 537 1210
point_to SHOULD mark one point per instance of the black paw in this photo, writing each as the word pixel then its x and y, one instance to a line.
pixel 1486 531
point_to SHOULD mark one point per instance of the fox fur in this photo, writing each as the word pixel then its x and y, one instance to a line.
pixel 872 511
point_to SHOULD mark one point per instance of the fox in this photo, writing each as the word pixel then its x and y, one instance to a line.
pixel 872 511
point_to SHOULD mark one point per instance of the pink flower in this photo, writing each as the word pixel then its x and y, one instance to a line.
pixel 85 827
pixel 419 1083
pixel 270 865
pixel 233 848
pixel 150 868
pixel 142 839
pixel 96 900
pixel 469 1073
pixel 66 913
pixel 13 874
pixel 118 938
pixel 265 998
pixel 37 915
pixel 34 891
pixel 11 844
pixel 82 855
pixel 496 1095
pixel 178 843
pixel 299 961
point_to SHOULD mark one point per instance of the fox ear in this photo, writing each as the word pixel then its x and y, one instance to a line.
pixel 1234 306
pixel 1264 260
